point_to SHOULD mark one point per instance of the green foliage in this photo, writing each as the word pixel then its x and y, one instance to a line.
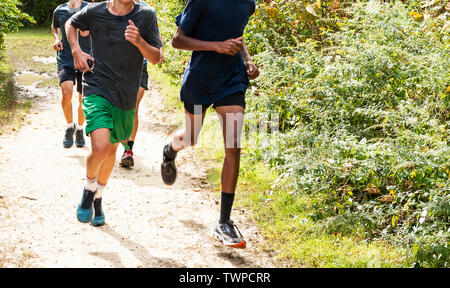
pixel 7 89
pixel 175 60
pixel 41 10
pixel 11 19
pixel 364 118
pixel 283 24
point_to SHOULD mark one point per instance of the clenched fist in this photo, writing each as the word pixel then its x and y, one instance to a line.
pixel 58 46
pixel 132 33
pixel 230 47
pixel 81 61
pixel 252 70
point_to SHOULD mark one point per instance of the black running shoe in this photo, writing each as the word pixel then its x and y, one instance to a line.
pixel 68 137
pixel 79 138
pixel 99 216
pixel 85 209
pixel 127 159
pixel 229 235
pixel 168 169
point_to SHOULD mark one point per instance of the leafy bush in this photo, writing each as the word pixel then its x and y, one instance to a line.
pixel 41 10
pixel 175 60
pixel 7 90
pixel 11 19
pixel 364 114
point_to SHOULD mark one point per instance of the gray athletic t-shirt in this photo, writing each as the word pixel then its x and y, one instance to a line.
pixel 118 63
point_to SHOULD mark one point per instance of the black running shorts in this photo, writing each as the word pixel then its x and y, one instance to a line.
pixel 144 78
pixel 68 74
pixel 235 99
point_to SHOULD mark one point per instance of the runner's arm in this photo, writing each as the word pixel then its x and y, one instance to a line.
pixel 57 45
pixel 152 54
pixel 79 57
pixel 252 70
pixel 182 41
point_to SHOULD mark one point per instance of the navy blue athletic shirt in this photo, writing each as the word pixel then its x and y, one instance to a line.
pixel 211 76
pixel 61 14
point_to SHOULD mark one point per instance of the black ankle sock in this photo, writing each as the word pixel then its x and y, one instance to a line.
pixel 130 144
pixel 225 207
pixel 98 207
pixel 169 152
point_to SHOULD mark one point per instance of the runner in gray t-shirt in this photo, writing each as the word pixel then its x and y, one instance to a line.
pixel 122 34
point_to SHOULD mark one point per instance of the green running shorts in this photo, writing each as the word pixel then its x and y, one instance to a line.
pixel 100 113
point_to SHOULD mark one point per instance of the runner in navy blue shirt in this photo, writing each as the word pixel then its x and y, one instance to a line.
pixel 218 75
pixel 67 74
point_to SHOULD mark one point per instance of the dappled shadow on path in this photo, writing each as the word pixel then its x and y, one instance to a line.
pixel 112 257
pixel 139 251
pixel 236 259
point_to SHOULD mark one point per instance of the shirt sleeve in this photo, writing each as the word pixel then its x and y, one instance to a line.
pixel 55 19
pixel 81 19
pixel 151 34
pixel 253 10
pixel 191 15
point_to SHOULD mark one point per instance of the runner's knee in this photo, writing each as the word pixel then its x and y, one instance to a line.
pixel 67 89
pixel 101 150
pixel 66 96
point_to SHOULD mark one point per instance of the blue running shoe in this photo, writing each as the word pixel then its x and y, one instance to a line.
pixel 84 209
pixel 68 137
pixel 99 218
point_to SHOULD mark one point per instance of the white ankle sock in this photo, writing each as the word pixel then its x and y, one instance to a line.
pixel 80 127
pixel 99 192
pixel 91 184
pixel 71 125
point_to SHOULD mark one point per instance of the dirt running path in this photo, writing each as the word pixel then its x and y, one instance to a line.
pixel 148 223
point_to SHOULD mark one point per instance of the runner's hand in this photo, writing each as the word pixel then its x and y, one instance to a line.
pixel 161 53
pixel 161 50
pixel 132 33
pixel 230 47
pixel 58 46
pixel 80 61
pixel 252 70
